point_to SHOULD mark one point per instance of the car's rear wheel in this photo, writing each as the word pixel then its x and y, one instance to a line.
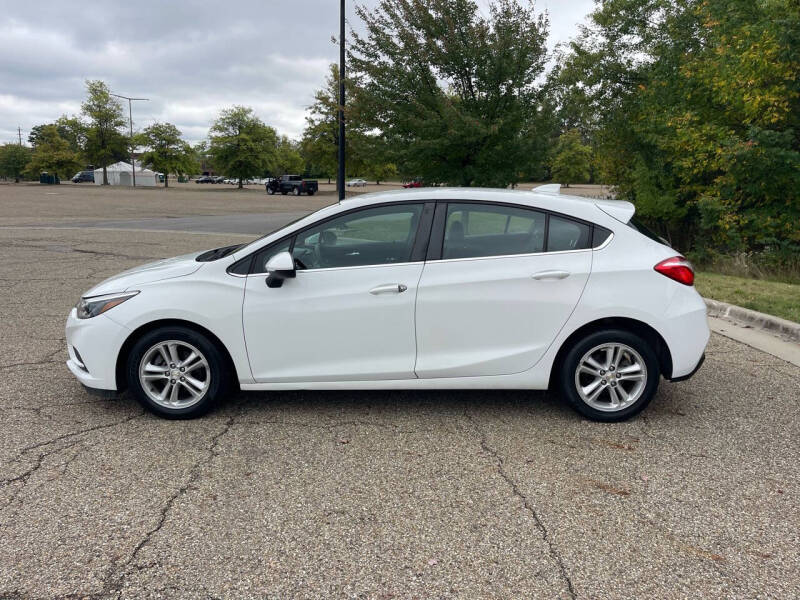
pixel 610 375
pixel 177 373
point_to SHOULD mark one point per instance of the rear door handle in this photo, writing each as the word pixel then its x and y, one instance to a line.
pixel 549 275
pixel 388 288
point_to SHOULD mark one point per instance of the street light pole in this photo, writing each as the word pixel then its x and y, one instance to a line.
pixel 340 176
pixel 130 119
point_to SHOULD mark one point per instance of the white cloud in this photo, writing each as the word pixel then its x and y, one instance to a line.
pixel 191 58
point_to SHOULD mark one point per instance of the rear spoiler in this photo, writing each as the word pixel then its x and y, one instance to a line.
pixel 621 210
pixel 618 209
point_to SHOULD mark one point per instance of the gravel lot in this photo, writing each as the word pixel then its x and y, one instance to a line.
pixel 368 494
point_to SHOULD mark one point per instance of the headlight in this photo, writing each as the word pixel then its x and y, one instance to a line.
pixel 97 305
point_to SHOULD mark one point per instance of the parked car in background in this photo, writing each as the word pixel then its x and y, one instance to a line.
pixel 217 179
pixel 357 183
pixel 293 184
pixel 204 179
pixel 414 183
pixel 421 289
pixel 83 177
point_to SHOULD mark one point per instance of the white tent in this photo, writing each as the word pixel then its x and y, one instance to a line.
pixel 121 174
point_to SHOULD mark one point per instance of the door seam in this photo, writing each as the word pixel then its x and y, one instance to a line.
pixel 416 301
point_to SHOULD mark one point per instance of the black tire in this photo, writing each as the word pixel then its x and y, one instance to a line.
pixel 270 191
pixel 219 370
pixel 296 191
pixel 566 383
pixel 310 192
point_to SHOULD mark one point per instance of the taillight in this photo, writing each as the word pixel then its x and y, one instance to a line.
pixel 677 268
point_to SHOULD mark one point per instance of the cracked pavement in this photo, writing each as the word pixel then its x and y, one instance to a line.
pixel 374 494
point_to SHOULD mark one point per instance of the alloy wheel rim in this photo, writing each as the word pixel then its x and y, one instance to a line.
pixel 611 377
pixel 174 374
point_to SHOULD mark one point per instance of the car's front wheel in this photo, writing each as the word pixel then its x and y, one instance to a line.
pixel 610 375
pixel 177 373
pixel 270 191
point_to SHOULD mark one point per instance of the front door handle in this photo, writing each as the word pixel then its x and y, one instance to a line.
pixel 388 288
pixel 549 275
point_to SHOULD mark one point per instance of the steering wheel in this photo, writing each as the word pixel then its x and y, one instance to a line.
pixel 326 238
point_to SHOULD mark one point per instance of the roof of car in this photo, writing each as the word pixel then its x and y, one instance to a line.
pixel 547 198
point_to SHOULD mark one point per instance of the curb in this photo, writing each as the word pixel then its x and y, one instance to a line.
pixel 750 318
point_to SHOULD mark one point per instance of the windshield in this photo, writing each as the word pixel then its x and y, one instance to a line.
pixel 246 247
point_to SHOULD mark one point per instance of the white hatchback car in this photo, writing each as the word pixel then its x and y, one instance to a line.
pixel 414 289
pixel 357 183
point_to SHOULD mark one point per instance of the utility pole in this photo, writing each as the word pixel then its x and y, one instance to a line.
pixel 19 133
pixel 340 176
pixel 130 118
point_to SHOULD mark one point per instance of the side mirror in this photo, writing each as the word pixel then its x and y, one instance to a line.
pixel 280 267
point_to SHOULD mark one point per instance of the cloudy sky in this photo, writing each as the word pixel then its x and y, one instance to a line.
pixel 190 57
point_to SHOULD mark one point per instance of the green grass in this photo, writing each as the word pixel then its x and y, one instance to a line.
pixel 771 297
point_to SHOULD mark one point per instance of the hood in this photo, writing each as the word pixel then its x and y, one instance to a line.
pixel 169 268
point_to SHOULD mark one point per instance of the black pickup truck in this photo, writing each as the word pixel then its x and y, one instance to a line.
pixel 294 184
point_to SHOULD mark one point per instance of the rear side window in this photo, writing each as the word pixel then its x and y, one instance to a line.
pixel 474 230
pixel 565 234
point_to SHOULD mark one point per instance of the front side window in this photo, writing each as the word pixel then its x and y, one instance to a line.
pixel 373 236
pixel 473 230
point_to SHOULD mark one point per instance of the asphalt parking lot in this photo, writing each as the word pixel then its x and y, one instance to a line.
pixel 368 494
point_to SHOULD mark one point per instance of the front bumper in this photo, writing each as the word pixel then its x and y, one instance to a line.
pixel 93 346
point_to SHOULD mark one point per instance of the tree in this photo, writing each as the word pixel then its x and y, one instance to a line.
pixel 13 158
pixel 165 151
pixel 35 133
pixel 695 111
pixel 320 143
pixel 71 129
pixel 572 159
pixel 241 145
pixel 104 140
pixel 287 157
pixel 381 171
pixel 454 93
pixel 204 158
pixel 53 154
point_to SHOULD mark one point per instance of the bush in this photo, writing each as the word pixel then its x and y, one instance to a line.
pixel 776 264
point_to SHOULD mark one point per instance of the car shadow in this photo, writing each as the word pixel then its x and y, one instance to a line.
pixel 397 404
